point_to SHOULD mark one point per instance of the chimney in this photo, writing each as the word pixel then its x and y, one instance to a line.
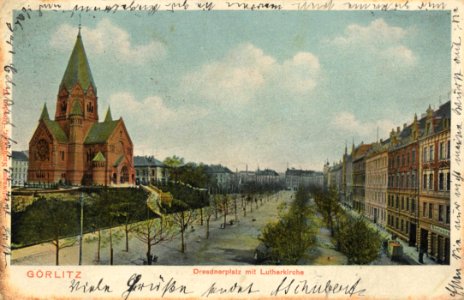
pixel 398 129
pixel 405 125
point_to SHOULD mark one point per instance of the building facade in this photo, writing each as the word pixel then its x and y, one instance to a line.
pixel 149 170
pixel 376 184
pixel 295 178
pixel 76 148
pixel 402 192
pixel 19 167
pixel 434 191
pixel 359 176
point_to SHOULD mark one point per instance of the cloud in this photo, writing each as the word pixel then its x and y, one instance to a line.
pixel 151 111
pixel 349 124
pixel 246 70
pixel 378 39
pixel 109 39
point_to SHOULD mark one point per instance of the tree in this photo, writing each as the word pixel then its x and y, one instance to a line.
pixel 153 231
pixel 290 237
pixel 109 202
pixel 51 220
pixel 357 241
pixel 183 219
pixel 209 211
pixel 174 162
pixel 129 208
pixel 328 205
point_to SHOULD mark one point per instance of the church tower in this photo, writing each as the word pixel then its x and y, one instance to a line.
pixel 76 145
pixel 77 85
pixel 76 148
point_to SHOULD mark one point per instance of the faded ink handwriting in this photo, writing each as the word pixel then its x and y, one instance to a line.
pixel 88 288
pixel 303 287
pixel 170 286
pixel 455 286
pixel 235 289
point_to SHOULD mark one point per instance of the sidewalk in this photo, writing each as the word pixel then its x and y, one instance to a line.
pixel 410 254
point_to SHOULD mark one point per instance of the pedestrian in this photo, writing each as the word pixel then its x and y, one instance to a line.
pixel 421 256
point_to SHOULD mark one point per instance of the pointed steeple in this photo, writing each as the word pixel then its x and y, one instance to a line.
pixel 78 69
pixel 44 115
pixel 108 117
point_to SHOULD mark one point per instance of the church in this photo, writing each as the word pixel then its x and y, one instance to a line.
pixel 75 148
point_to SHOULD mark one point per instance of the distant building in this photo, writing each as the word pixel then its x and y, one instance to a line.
pixel 348 185
pixel 149 170
pixel 377 183
pixel 335 176
pixel 267 176
pixel 245 176
pixel 295 178
pixel 359 176
pixel 19 166
pixel 222 177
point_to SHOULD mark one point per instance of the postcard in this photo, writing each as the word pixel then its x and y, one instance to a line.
pixel 231 149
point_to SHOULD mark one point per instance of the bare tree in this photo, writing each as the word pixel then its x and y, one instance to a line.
pixel 154 231
pixel 183 220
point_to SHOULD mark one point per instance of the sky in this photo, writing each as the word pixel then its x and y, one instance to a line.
pixel 242 88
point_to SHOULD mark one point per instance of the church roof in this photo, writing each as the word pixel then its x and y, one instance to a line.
pixel 108 115
pixel 44 115
pixel 56 130
pixel 100 132
pixel 76 109
pixel 78 69
pixel 99 157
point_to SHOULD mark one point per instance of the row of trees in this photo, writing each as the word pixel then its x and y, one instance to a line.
pixel 290 237
pixel 53 219
pixel 354 238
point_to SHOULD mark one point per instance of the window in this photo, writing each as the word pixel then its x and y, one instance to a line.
pixel 413 205
pixel 440 213
pixel 431 153
pixel 397 202
pixel 424 183
pixel 407 204
pixel 424 154
pixel 424 209
pixel 447 214
pixel 402 224
pixel 448 150
pixel 62 155
pixel 430 210
pixel 448 181
pixel 396 223
pixel 441 181
pixel 413 156
pixel 407 227
pixel 442 150
pixel 402 202
pixel 431 181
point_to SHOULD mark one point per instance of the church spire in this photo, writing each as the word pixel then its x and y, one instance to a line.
pixel 78 69
pixel 44 115
pixel 108 117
